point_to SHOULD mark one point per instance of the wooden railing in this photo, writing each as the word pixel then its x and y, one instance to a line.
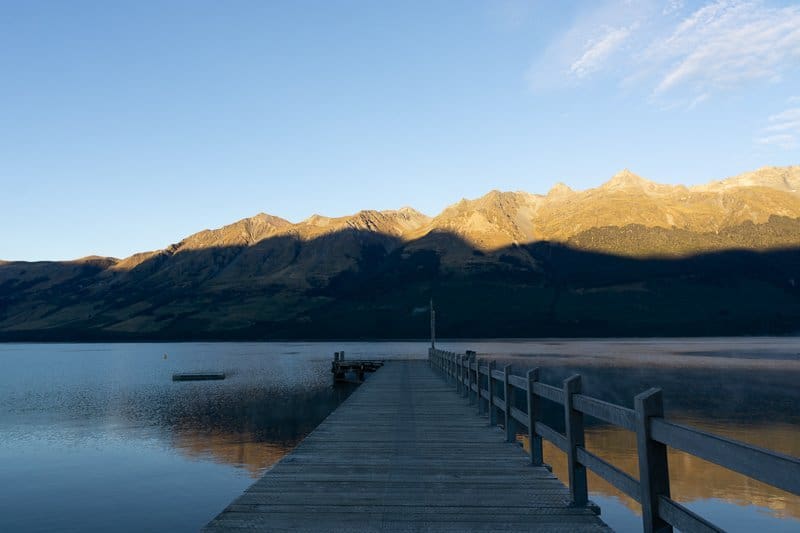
pixel 481 381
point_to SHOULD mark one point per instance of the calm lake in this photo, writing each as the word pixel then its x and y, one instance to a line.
pixel 97 437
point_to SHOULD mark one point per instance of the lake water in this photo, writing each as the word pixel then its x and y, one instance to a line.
pixel 97 437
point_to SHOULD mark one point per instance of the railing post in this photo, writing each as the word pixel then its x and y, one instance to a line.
pixel 490 389
pixel 653 464
pixel 470 358
pixel 534 439
pixel 508 393
pixel 464 360
pixel 478 382
pixel 574 424
pixel 449 364
pixel 458 374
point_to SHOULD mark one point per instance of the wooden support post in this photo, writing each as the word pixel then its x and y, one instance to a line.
pixel 338 373
pixel 461 362
pixel 574 424
pixel 468 391
pixel 478 382
pixel 461 374
pixel 491 388
pixel 508 392
pixel 458 374
pixel 653 464
pixel 470 359
pixel 449 366
pixel 534 440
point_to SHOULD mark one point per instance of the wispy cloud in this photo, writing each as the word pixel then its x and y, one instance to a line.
pixel 590 46
pixel 675 53
pixel 782 130
pixel 597 52
pixel 726 43
pixel 673 6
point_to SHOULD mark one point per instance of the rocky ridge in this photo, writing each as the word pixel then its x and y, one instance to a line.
pixel 264 273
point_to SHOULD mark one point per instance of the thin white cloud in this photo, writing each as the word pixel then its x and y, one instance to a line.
pixel 726 43
pixel 673 6
pixel 597 52
pixel 698 100
pixel 786 120
pixel 592 44
pixel 672 52
pixel 782 130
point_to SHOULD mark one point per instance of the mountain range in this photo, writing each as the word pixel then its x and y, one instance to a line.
pixel 631 257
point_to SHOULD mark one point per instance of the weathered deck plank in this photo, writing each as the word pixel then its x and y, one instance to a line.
pixel 403 453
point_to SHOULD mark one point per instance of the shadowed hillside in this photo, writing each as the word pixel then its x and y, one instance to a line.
pixel 628 258
pixel 355 284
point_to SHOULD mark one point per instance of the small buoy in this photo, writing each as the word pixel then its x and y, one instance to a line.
pixel 165 356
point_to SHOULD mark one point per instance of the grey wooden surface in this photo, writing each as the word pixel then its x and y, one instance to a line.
pixel 403 453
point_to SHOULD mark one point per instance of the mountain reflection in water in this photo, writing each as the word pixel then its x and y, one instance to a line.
pixel 691 479
pixel 97 437
pixel 253 435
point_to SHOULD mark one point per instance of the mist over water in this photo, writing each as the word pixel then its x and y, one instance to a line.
pixel 97 436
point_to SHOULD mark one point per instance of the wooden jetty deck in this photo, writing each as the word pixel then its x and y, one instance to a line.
pixel 404 453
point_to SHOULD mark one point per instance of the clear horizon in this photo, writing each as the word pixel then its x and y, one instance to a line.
pixel 126 127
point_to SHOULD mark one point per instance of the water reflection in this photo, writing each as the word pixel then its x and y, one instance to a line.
pixel 691 478
pixel 89 422
pixel 80 422
pixel 745 389
pixel 238 449
pixel 253 430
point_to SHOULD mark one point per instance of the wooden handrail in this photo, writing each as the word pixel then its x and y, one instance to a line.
pixel 653 435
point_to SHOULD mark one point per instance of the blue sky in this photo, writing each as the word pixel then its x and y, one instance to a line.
pixel 125 126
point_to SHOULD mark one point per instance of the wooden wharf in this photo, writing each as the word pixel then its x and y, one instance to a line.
pixel 404 453
pixel 498 392
pixel 342 369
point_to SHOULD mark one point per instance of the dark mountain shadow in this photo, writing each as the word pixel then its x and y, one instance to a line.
pixel 361 284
